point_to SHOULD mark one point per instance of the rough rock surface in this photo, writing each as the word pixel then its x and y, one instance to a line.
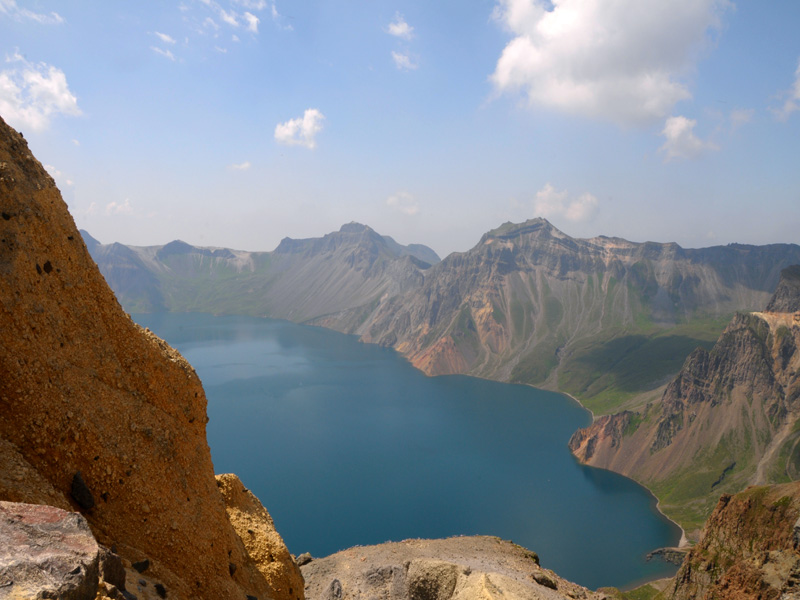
pixel 84 389
pixel 460 568
pixel 749 549
pixel 787 295
pixel 46 552
pixel 264 544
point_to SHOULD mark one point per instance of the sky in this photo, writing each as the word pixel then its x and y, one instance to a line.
pixel 237 123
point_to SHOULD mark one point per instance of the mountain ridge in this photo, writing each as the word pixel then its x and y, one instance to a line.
pixel 527 304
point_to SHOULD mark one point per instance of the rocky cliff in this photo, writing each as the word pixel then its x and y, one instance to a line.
pixel 730 418
pixel 750 548
pixel 100 416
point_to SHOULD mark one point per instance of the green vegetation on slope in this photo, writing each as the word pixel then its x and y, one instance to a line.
pixel 604 371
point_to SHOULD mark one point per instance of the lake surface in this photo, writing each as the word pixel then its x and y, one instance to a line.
pixel 347 444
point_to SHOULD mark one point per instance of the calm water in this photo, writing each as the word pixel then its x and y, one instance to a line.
pixel 346 443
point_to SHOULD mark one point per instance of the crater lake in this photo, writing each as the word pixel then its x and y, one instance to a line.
pixel 347 444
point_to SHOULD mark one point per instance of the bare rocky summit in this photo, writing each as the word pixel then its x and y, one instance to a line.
pixel 459 568
pixel 98 415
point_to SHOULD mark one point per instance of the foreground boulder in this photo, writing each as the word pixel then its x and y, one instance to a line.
pixel 108 416
pixel 264 544
pixel 46 552
pixel 460 568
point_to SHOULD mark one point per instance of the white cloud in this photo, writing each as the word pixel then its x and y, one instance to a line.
pixel 399 28
pixel 403 61
pixel 792 96
pixel 228 17
pixel 221 50
pixel 163 52
pixel 252 4
pixel 241 166
pixel 681 140
pixel 252 22
pixel 117 208
pixel 76 142
pixel 31 94
pixel 234 38
pixel 741 117
pixel 167 39
pixel 301 131
pixel 211 23
pixel 403 202
pixel 10 8
pixel 550 202
pixel 616 60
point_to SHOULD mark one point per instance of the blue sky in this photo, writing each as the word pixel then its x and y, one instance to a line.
pixel 239 122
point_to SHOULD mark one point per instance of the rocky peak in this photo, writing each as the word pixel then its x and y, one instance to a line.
pixel 353 227
pixel 787 294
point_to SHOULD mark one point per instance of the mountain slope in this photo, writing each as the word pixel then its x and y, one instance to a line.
pixel 601 318
pixel 299 280
pixel 730 418
pixel 750 548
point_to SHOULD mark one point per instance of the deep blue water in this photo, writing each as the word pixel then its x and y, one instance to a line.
pixel 346 443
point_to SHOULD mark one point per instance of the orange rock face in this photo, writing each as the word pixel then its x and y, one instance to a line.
pixel 84 389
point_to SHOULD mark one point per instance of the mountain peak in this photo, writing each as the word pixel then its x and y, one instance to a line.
pixel 538 226
pixel 353 227
pixel 787 295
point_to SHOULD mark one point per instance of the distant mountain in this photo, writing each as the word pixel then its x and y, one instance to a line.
pixel 300 280
pixel 601 318
pixel 730 418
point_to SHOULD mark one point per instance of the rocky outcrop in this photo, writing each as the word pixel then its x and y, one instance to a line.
pixel 786 298
pixel 263 543
pixel 727 420
pixel 86 391
pixel 748 549
pixel 46 552
pixel 462 568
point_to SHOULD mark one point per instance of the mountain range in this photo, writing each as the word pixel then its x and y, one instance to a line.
pixel 603 319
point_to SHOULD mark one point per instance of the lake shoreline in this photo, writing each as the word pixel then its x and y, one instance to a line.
pixel 684 541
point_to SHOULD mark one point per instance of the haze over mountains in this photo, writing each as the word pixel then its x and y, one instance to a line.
pixel 602 318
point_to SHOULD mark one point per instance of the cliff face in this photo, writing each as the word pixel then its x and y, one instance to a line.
pixel 727 420
pixel 748 549
pixel 83 390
